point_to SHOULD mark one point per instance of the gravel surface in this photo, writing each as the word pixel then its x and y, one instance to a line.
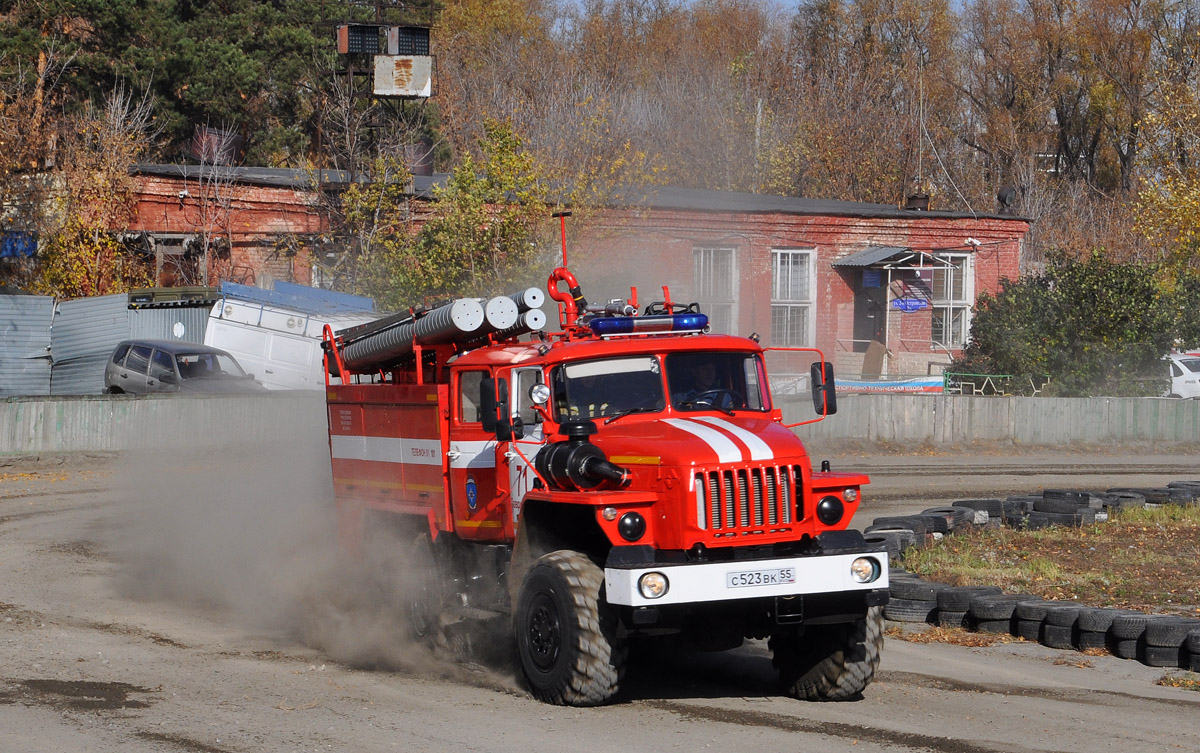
pixel 188 600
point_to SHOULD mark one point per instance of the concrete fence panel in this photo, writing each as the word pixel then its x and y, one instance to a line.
pixel 90 423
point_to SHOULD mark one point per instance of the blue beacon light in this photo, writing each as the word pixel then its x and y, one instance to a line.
pixel 636 325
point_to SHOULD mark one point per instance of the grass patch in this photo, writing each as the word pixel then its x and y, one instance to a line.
pixel 1187 681
pixel 954 636
pixel 1141 559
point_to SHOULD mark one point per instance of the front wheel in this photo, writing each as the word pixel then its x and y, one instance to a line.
pixel 566 634
pixel 829 662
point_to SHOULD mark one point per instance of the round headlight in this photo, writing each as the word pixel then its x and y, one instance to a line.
pixel 850 495
pixel 653 585
pixel 865 570
pixel 631 526
pixel 539 394
pixel 830 510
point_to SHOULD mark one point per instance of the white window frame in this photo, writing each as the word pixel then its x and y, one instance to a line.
pixel 783 297
pixel 716 289
pixel 950 302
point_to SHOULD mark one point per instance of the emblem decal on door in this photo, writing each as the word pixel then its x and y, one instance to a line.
pixel 472 493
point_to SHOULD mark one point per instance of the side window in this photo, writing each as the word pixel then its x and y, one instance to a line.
pixel 138 360
pixel 468 396
pixel 526 379
pixel 119 353
pixel 160 366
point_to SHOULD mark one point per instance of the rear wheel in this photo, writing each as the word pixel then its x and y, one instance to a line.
pixel 829 662
pixel 566 634
pixel 424 593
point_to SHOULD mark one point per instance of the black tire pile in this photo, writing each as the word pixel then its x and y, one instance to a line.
pixel 1052 507
pixel 1154 639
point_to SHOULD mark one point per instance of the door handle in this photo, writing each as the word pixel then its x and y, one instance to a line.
pixel 454 454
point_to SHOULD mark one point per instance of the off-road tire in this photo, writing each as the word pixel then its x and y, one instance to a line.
pixel 424 591
pixel 829 662
pixel 566 633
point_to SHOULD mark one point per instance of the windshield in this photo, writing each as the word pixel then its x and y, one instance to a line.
pixel 716 381
pixel 208 366
pixel 590 389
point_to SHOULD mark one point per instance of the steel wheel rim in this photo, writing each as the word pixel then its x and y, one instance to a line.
pixel 544 633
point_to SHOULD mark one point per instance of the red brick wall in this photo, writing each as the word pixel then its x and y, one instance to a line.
pixel 617 250
pixel 256 217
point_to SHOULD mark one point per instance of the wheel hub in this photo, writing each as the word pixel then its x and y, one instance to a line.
pixel 545 635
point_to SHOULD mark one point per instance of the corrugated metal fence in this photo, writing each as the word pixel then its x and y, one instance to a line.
pixel 61 350
pixel 25 344
pixel 119 422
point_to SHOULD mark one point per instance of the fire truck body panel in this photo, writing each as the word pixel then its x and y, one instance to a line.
pixel 388 451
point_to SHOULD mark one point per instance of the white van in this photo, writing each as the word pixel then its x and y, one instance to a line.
pixel 276 334
pixel 1185 375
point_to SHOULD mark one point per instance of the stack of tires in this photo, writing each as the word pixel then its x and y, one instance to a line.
pixel 1052 507
pixel 1155 640
pixel 899 533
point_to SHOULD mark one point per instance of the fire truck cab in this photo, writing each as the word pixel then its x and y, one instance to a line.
pixel 628 475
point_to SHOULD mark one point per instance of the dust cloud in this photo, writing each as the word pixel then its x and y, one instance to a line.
pixel 250 532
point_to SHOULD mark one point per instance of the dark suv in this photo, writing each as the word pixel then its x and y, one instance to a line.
pixel 141 366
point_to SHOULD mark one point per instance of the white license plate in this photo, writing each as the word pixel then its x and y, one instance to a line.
pixel 776 577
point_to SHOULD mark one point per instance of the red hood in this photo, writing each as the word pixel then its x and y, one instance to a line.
pixel 694 440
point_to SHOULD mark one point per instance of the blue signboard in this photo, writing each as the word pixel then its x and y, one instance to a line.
pixel 17 243
pixel 871 278
pixel 909 305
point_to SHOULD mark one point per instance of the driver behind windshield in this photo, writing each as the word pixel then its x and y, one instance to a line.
pixel 699 382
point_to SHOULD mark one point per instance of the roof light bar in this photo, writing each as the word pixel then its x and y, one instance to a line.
pixel 608 326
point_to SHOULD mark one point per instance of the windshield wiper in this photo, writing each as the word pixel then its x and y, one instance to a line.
pixel 705 405
pixel 623 413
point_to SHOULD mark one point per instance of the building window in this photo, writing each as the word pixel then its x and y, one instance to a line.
pixel 714 280
pixel 953 294
pixel 793 279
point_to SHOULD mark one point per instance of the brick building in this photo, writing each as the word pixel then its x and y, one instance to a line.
pixel 881 290
pixel 206 224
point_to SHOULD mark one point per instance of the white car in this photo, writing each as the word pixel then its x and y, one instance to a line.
pixel 1185 375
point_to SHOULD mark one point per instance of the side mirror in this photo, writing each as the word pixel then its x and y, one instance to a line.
pixel 493 408
pixel 824 393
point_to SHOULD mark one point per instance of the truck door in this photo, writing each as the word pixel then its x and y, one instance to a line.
pixel 518 454
pixel 479 512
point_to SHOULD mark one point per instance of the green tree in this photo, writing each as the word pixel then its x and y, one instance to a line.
pixel 480 234
pixel 1093 326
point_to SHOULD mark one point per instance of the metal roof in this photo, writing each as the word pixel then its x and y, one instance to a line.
pixel 892 257
pixel 660 197
pixel 299 298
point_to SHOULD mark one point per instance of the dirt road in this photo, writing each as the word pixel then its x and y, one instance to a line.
pixel 188 601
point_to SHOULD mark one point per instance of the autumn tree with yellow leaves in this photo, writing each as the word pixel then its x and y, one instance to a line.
pixel 92 201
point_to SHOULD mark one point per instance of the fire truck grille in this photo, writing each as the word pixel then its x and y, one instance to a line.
pixel 746 499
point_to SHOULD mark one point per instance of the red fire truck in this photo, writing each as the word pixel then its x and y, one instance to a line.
pixel 626 475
